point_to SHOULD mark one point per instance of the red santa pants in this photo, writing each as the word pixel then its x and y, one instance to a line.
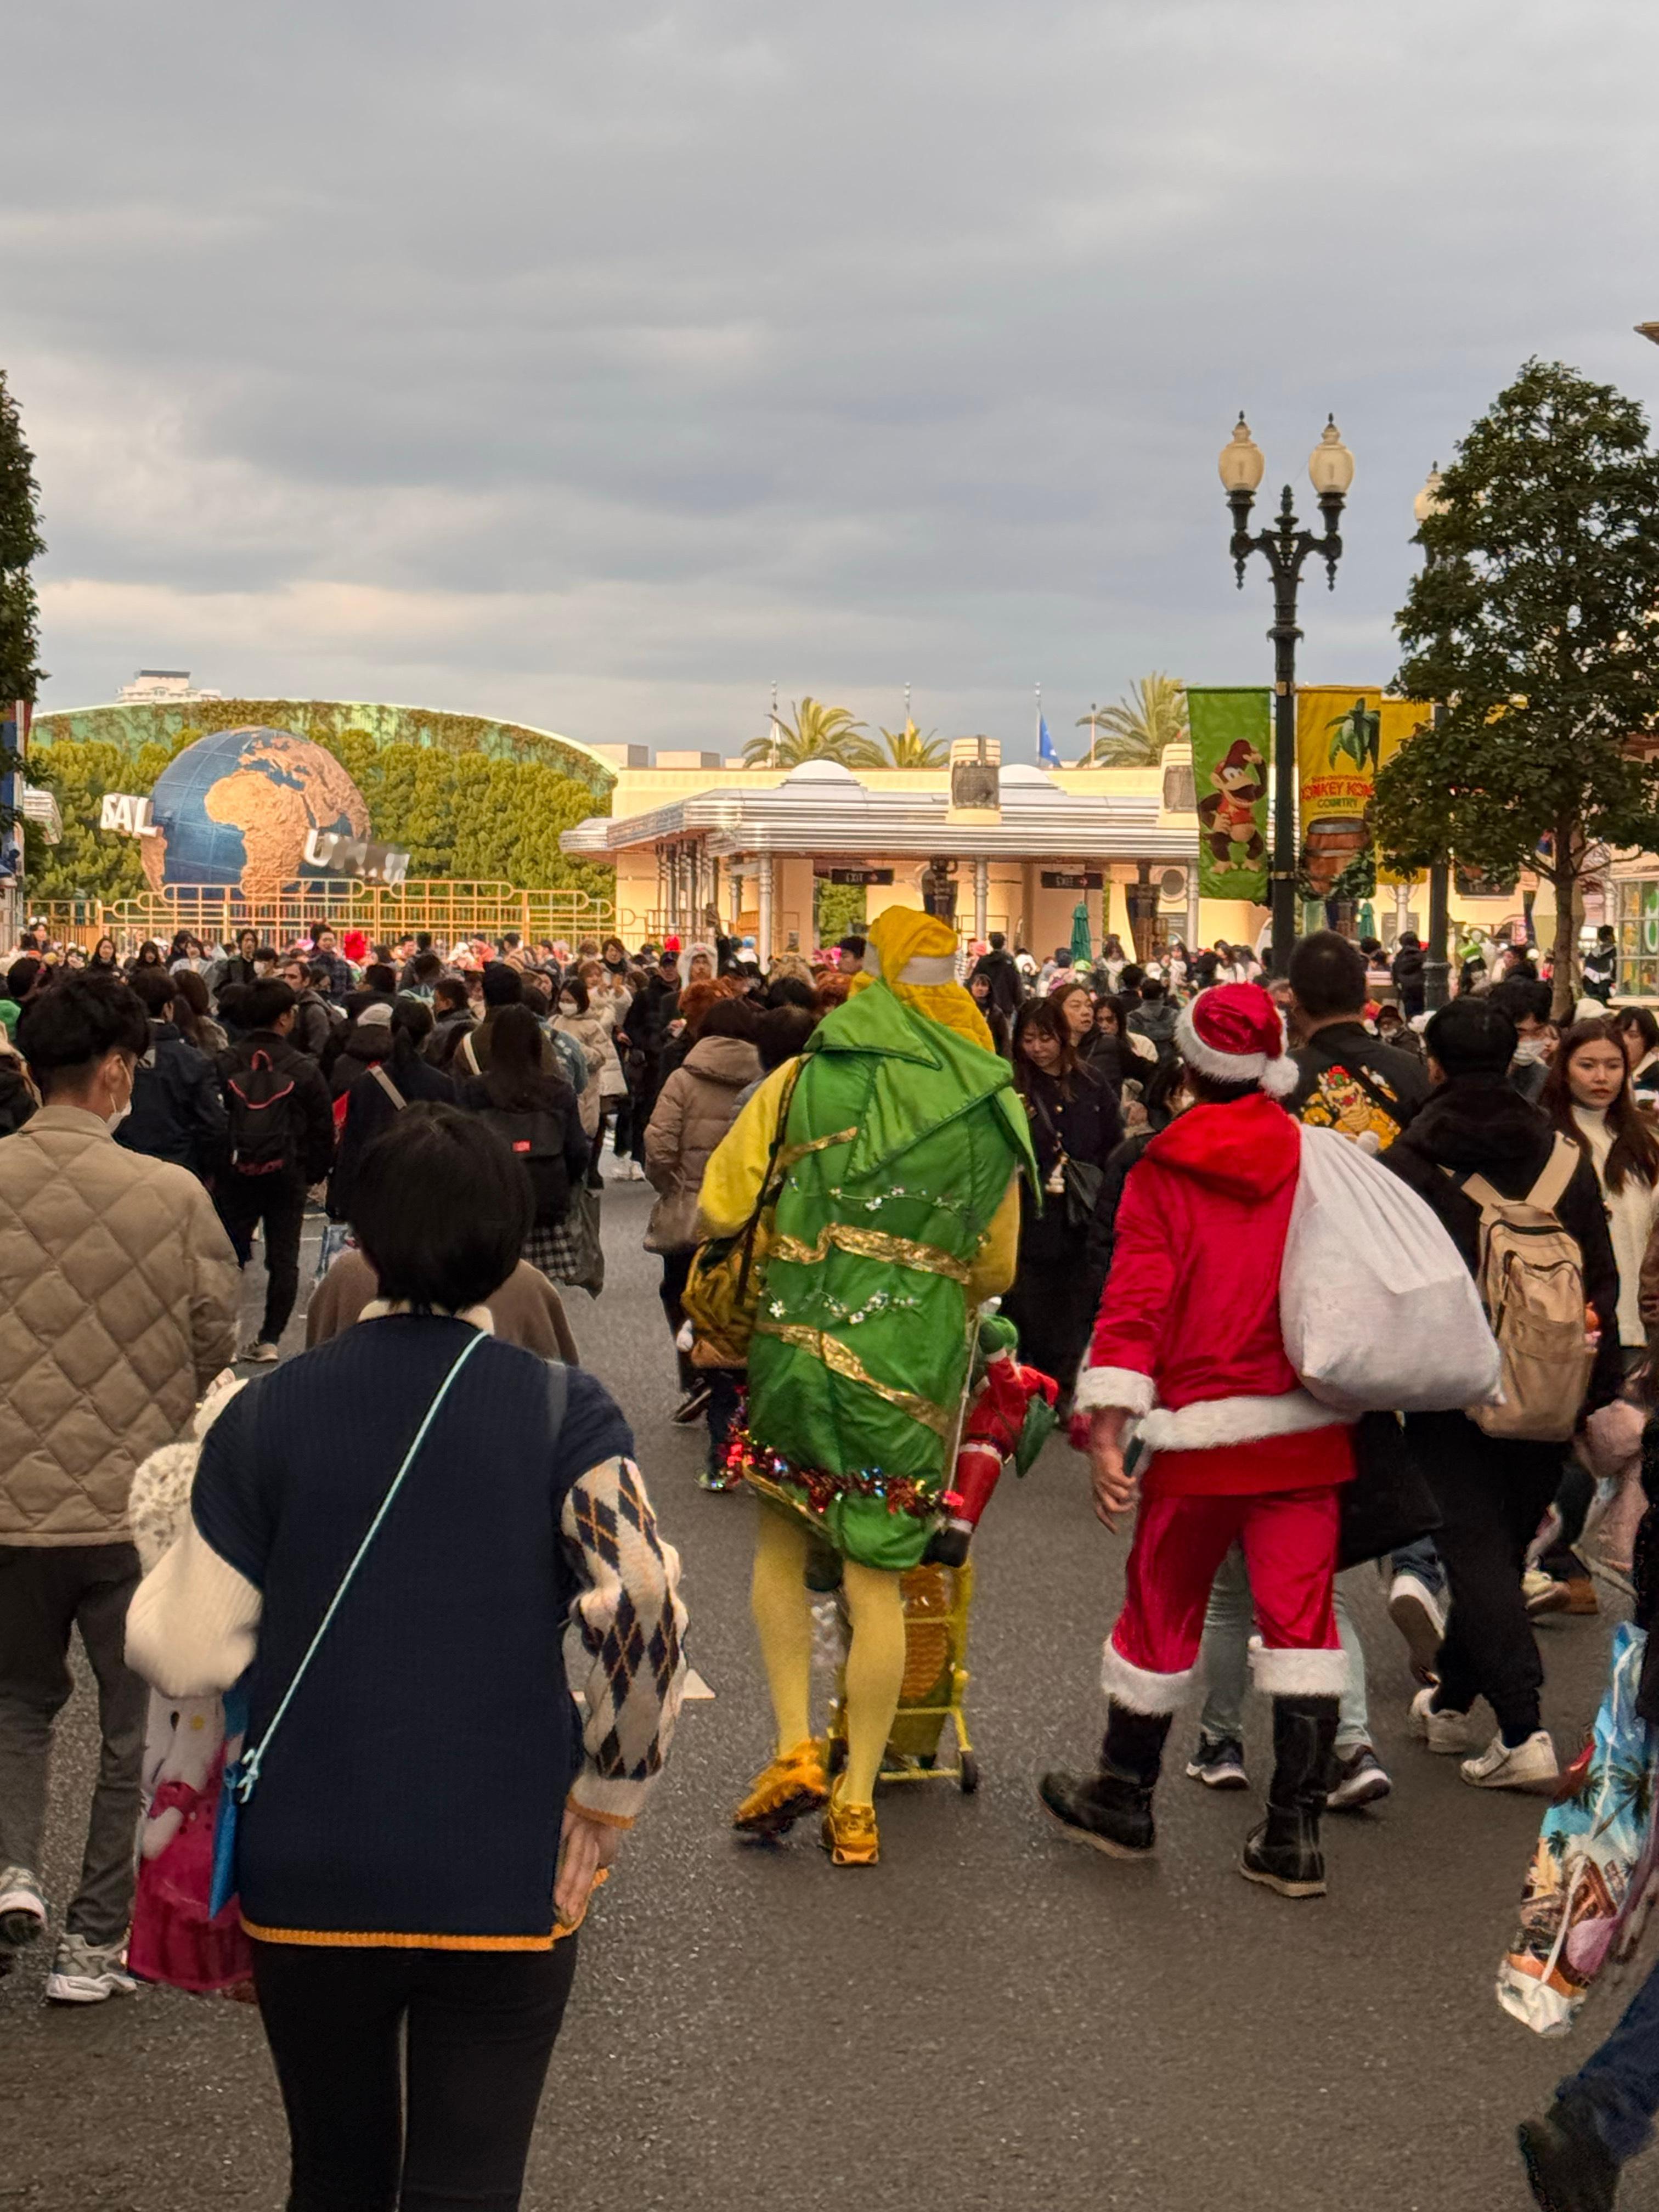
pixel 1290 1548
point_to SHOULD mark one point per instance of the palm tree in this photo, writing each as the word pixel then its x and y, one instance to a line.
pixel 905 748
pixel 820 733
pixel 1133 734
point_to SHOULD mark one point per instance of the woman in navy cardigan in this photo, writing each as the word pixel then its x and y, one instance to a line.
pixel 432 1817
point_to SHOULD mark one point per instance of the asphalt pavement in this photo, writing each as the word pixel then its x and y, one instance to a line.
pixel 990 2018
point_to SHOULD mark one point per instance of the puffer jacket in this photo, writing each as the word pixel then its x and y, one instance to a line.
pixel 119 1292
pixel 588 1033
pixel 695 1109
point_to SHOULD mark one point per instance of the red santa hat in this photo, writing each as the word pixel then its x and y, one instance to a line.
pixel 1232 1033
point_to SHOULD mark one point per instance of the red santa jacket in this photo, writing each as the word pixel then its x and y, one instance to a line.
pixel 1188 1334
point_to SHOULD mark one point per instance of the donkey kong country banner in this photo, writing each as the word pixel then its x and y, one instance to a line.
pixel 1344 734
pixel 1231 733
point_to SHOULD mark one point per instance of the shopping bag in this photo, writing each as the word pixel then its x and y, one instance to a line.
pixel 1389 1504
pixel 1595 1857
pixel 1378 1312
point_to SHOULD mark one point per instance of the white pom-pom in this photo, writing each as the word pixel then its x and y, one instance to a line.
pixel 1280 1076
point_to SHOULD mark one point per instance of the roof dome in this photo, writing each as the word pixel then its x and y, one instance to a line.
pixel 1025 777
pixel 823 771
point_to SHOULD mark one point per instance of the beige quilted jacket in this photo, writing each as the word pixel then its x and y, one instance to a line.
pixel 118 1301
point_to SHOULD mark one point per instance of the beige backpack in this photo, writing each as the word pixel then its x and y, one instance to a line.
pixel 1530 1275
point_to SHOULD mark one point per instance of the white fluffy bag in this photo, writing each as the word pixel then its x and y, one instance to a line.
pixel 1378 1311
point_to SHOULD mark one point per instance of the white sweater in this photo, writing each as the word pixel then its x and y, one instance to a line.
pixel 1631 1214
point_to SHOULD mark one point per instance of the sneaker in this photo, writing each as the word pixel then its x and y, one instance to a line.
pixel 1543 1593
pixel 787 1788
pixel 1360 1780
pixel 1568 2166
pixel 1448 1731
pixel 260 1353
pixel 848 1834
pixel 1528 1766
pixel 1419 1615
pixel 87 1973
pixel 1218 1764
pixel 22 1908
pixel 692 1407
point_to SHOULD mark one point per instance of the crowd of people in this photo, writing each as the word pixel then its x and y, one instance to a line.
pixel 909 1206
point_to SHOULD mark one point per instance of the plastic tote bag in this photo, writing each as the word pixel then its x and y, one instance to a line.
pixel 1594 1860
pixel 1378 1312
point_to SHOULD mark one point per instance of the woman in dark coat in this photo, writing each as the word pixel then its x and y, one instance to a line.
pixel 371 1106
pixel 1075 1127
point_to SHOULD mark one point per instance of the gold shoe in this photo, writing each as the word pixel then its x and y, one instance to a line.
pixel 849 1834
pixel 795 1783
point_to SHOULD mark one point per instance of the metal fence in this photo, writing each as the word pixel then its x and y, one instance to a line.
pixel 384 912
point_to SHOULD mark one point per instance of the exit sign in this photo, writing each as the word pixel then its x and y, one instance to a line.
pixel 1073 880
pixel 854 875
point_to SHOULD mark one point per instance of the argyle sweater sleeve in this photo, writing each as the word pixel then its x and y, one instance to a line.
pixel 625 1647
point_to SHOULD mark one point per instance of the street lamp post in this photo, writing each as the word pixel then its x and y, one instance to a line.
pixel 1286 549
pixel 1436 968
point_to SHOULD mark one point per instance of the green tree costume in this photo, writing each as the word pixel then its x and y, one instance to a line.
pixel 899 1138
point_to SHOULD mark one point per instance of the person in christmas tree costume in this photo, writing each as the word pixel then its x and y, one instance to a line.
pixel 897 1214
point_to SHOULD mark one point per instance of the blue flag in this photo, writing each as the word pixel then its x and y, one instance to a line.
pixel 1046 754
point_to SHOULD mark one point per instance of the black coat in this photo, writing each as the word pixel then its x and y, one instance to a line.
pixel 1407 973
pixel 1089 1128
pixel 1476 1125
pixel 1007 991
pixel 178 1111
pixel 313 1113
pixel 369 1111
pixel 1350 1045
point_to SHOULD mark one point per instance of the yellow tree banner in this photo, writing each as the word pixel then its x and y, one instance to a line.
pixel 1344 733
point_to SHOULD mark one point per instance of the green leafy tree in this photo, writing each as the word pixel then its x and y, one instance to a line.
pixel 1533 621
pixel 905 748
pixel 88 862
pixel 1134 732
pixel 819 732
pixel 21 545
pixel 837 910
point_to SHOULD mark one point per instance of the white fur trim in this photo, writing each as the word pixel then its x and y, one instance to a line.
pixel 1297 1674
pixel 1277 1075
pixel 1140 1690
pixel 1209 1423
pixel 1122 1387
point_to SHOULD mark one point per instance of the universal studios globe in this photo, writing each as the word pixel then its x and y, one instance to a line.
pixel 233 811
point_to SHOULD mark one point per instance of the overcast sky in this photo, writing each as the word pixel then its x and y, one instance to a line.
pixel 600 365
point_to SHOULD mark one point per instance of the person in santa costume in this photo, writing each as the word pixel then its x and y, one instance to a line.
pixel 1187 1343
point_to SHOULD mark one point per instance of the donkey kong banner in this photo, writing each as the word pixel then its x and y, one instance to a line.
pixel 1231 734
pixel 1344 734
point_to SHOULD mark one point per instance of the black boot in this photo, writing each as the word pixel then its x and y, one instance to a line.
pixel 1284 1851
pixel 1569 2167
pixel 1111 1810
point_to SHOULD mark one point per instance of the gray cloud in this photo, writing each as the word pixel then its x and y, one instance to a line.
pixel 601 366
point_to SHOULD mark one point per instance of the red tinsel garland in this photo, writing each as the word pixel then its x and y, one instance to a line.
pixel 899 1493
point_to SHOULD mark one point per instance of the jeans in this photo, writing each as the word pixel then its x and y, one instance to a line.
pixel 1223 1657
pixel 410 2078
pixel 46 1594
pixel 1422 1560
pixel 1616 2088
pixel 279 1201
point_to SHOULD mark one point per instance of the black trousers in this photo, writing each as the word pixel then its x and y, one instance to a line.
pixel 410 2078
pixel 1493 1492
pixel 279 1202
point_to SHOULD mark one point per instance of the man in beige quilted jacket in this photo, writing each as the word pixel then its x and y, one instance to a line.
pixel 118 1306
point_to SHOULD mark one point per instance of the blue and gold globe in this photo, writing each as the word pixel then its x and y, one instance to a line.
pixel 234 811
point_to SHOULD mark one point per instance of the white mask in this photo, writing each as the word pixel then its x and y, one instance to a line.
pixel 113 1122
pixel 1530 1051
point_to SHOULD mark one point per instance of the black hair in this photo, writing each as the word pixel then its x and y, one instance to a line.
pixel 790 991
pixel 729 1017
pixel 77 1021
pixel 411 1024
pixel 1522 998
pixel 1641 1020
pixel 20 976
pixel 267 1001
pixel 422 942
pixel 462 1240
pixel 1605 934
pixel 781 1033
pixel 1211 1090
pixel 452 989
pixel 318 975
pixel 149 954
pixel 573 987
pixel 428 966
pixel 853 945
pixel 1328 975
pixel 1151 990
pixel 321 929
pixel 997 941
pixel 503 985
pixel 516 1077
pixel 267 952
pixel 378 976
pixel 155 987
pixel 1132 977
pixel 1043 1014
pixel 1474 1036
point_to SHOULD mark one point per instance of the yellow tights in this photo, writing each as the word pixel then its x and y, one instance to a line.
pixel 875 1661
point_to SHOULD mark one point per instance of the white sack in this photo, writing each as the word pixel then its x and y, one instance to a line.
pixel 1378 1311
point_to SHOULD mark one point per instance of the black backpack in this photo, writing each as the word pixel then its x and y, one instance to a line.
pixel 534 1137
pixel 263 1117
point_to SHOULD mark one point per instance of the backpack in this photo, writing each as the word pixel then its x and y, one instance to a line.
pixel 1530 1275
pixel 535 1138
pixel 263 1122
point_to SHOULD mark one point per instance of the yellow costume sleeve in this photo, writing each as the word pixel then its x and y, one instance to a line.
pixel 998 1257
pixel 737 1167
